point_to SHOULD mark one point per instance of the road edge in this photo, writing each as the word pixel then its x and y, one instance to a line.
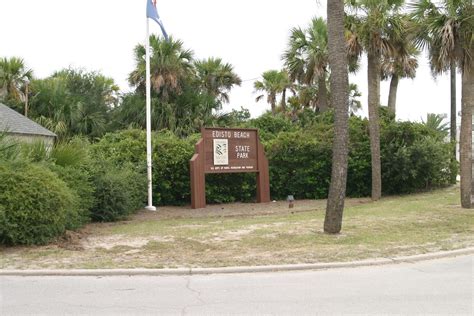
pixel 244 269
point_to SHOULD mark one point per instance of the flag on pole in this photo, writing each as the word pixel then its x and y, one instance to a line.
pixel 152 13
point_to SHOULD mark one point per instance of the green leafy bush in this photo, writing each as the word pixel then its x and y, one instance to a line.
pixel 127 146
pixel 118 191
pixel 35 204
pixel 228 188
pixel 359 171
pixel 80 183
pixel 269 125
pixel 413 158
pixel 171 157
pixel 300 165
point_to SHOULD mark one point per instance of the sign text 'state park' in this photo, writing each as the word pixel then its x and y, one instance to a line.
pixel 228 150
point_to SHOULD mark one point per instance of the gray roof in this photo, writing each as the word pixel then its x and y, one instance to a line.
pixel 15 123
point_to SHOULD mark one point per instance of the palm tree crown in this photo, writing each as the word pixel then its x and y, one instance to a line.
pixel 13 77
pixel 306 58
pixel 216 78
pixel 446 31
pixel 170 64
pixel 274 82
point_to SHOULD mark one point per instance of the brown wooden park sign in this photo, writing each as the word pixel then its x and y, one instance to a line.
pixel 228 150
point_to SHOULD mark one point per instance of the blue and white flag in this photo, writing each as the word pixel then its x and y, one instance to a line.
pixel 152 13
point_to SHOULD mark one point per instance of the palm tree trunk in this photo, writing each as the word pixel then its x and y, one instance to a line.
pixel 26 99
pixel 466 135
pixel 323 94
pixel 392 94
pixel 283 101
pixel 453 127
pixel 453 103
pixel 272 100
pixel 340 102
pixel 373 78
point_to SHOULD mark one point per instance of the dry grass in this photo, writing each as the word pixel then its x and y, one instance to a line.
pixel 251 234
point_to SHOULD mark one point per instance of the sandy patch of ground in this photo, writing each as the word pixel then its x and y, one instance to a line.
pixel 109 242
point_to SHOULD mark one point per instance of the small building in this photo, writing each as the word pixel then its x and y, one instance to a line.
pixel 21 128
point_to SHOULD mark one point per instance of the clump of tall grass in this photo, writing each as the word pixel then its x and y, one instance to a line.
pixel 9 149
pixel 72 153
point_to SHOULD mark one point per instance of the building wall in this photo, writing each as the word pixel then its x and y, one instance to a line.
pixel 30 139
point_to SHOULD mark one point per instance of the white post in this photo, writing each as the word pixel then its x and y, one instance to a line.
pixel 150 206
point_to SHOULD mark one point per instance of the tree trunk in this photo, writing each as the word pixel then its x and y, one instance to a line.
pixel 392 94
pixel 323 94
pixel 340 102
pixel 272 101
pixel 453 128
pixel 373 77
pixel 467 103
pixel 26 99
pixel 283 101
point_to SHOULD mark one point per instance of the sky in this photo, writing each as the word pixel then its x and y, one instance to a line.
pixel 100 35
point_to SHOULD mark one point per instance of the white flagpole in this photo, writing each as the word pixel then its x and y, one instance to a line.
pixel 150 206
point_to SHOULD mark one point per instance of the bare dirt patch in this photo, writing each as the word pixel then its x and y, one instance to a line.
pixel 112 241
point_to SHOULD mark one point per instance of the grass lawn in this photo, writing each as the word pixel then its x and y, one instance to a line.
pixel 252 234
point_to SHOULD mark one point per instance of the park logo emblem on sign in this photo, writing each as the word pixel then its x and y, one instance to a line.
pixel 221 155
pixel 228 150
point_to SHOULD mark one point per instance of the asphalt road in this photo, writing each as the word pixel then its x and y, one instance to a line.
pixel 443 286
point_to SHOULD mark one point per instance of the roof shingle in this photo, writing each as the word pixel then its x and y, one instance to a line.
pixel 15 123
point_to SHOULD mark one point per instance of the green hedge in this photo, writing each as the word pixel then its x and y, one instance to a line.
pixel 42 194
pixel 79 181
pixel 299 166
pixel 36 205
pixel 413 158
pixel 118 191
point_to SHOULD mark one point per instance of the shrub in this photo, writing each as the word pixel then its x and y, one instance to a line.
pixel 227 188
pixel 269 125
pixel 127 146
pixel 413 158
pixel 359 168
pixel 171 157
pixel 118 191
pixel 79 182
pixel 423 165
pixel 300 165
pixel 35 204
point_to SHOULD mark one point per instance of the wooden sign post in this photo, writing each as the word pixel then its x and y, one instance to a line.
pixel 228 150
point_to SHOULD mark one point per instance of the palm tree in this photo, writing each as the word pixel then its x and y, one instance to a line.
pixel 170 64
pixel 401 62
pixel 274 82
pixel 340 101
pixel 436 123
pixel 354 94
pixel 74 101
pixel 306 58
pixel 446 31
pixel 216 78
pixel 376 24
pixel 13 78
